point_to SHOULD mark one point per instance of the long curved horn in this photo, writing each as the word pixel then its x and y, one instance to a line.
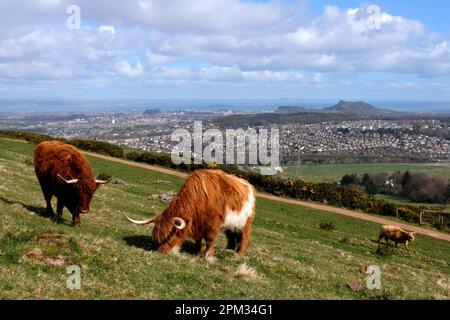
pixel 179 223
pixel 102 181
pixel 67 181
pixel 146 221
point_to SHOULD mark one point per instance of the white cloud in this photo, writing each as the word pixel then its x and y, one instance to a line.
pixel 215 41
pixel 107 29
pixel 33 70
pixel 48 3
pixel 125 69
pixel 157 59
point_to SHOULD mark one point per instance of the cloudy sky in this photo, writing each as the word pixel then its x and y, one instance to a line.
pixel 225 49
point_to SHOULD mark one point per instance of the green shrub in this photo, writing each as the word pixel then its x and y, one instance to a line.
pixel 104 176
pixel 132 156
pixel 410 214
pixel 87 145
pixel 100 147
pixel 328 226
pixel 27 136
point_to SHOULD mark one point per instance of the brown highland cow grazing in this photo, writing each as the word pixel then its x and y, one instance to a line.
pixel 208 202
pixel 65 173
pixel 396 234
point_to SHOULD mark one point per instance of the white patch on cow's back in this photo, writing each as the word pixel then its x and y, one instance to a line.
pixel 391 228
pixel 236 220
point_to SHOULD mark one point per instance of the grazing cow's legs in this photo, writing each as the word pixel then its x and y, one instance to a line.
pixel 239 242
pixel 59 208
pixel 243 240
pixel 379 238
pixel 47 196
pixel 76 219
pixel 48 200
pixel 198 246
pixel 209 252
pixel 232 239
pixel 209 239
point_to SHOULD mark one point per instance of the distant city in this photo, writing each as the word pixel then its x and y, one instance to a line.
pixel 403 136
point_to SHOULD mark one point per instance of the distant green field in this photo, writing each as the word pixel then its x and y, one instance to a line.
pixel 291 257
pixel 333 173
pixel 402 201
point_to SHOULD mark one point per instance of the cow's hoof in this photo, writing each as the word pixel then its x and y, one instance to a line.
pixel 57 219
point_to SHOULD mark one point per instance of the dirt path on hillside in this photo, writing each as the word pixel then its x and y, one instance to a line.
pixel 341 211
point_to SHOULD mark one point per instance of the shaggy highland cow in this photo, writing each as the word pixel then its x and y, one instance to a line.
pixel 65 173
pixel 396 234
pixel 208 202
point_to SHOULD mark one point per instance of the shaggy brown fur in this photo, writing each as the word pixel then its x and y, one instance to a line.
pixel 52 158
pixel 396 234
pixel 203 203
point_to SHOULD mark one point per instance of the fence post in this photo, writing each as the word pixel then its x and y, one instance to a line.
pixel 396 212
pixel 420 216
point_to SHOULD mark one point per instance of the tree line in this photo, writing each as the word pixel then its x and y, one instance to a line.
pixel 416 187
pixel 100 147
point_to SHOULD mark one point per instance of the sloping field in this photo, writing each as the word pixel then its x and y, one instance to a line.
pixel 291 256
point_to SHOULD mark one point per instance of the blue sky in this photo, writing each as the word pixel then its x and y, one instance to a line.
pixel 226 49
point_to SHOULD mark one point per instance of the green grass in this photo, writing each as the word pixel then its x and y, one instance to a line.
pixel 334 173
pixel 291 256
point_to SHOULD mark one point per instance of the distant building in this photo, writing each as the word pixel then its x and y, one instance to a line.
pixel 268 171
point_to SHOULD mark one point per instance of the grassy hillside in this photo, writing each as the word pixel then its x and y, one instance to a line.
pixel 333 173
pixel 291 256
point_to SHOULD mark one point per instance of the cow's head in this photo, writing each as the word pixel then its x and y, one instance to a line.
pixel 166 227
pixel 409 235
pixel 79 193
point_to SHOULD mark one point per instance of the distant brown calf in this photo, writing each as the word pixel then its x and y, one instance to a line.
pixel 396 234
pixel 65 173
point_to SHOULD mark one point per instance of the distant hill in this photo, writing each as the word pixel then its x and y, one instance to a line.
pixel 152 111
pixel 268 119
pixel 354 108
pixel 290 109
pixel 357 108
pixel 343 110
